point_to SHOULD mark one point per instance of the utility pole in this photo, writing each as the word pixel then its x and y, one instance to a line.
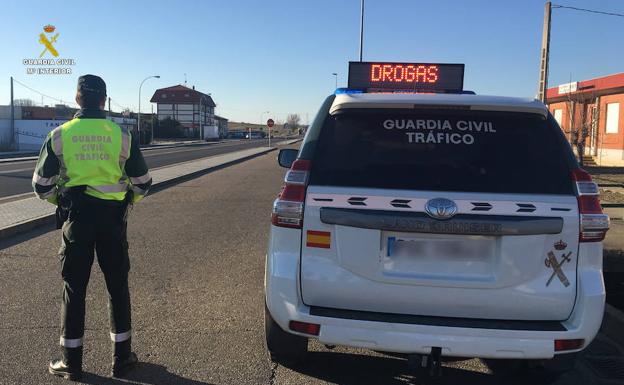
pixel 361 28
pixel 14 137
pixel 109 109
pixel 543 79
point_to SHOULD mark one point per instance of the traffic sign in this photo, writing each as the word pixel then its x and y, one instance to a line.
pixel 270 123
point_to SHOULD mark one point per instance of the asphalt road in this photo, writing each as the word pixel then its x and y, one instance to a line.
pixel 197 254
pixel 15 177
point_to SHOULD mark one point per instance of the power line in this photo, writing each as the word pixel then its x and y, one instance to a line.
pixel 589 10
pixel 41 93
pixel 118 105
pixel 61 100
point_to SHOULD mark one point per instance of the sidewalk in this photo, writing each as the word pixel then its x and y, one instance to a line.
pixel 25 214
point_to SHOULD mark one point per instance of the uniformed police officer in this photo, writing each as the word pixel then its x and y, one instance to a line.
pixel 92 170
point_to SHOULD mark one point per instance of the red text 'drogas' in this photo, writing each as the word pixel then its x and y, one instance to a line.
pixel 400 73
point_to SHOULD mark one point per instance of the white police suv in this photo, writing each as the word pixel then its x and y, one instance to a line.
pixel 436 223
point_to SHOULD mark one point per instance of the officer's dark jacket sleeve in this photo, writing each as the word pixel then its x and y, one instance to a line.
pixel 137 171
pixel 46 172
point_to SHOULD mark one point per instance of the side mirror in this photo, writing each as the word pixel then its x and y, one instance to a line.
pixel 286 157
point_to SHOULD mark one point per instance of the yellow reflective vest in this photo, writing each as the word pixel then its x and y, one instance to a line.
pixel 92 152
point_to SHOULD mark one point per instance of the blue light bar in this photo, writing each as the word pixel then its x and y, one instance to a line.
pixel 348 91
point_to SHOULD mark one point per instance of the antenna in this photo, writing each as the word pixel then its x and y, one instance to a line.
pixel 185 79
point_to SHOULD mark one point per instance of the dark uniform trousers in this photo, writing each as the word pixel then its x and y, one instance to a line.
pixel 99 226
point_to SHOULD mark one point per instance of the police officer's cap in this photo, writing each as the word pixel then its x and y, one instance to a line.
pixel 91 84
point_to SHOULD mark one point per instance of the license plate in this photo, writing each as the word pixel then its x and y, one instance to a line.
pixel 464 247
pixel 439 257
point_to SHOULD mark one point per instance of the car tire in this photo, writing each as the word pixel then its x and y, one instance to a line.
pixel 283 347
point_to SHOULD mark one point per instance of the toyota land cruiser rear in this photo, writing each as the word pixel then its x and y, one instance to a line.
pixel 423 223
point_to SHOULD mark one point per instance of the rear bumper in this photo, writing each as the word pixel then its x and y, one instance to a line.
pixel 283 299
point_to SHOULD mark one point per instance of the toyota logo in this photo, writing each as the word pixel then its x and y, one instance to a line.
pixel 441 208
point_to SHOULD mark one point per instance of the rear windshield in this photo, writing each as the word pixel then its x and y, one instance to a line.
pixel 467 151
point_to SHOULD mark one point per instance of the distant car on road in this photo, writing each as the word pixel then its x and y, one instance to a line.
pixel 256 135
pixel 435 225
pixel 236 135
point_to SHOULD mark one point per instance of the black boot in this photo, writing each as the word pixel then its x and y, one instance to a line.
pixel 70 366
pixel 123 358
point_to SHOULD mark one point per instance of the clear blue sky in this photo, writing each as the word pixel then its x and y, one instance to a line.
pixel 279 55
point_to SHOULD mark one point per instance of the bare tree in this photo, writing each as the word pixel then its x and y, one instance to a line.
pixel 581 121
pixel 24 102
pixel 293 120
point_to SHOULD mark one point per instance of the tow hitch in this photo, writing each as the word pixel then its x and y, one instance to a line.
pixel 430 365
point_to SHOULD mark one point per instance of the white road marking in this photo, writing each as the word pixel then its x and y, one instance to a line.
pixel 31 169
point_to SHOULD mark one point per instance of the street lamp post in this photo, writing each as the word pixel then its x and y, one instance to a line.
pixel 361 28
pixel 139 114
pixel 335 78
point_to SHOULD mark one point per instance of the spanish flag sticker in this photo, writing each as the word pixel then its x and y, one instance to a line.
pixel 320 239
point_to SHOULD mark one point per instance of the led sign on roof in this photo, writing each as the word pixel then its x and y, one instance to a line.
pixel 380 76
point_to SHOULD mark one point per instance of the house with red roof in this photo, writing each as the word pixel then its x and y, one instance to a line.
pixel 193 109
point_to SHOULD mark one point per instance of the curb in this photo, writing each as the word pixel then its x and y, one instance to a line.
pixel 613 325
pixel 27 226
pixel 50 218
pixel 31 156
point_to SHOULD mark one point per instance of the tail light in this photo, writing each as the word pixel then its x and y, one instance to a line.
pixel 305 327
pixel 562 345
pixel 288 207
pixel 594 223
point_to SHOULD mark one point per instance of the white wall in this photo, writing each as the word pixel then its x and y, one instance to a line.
pixel 32 133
